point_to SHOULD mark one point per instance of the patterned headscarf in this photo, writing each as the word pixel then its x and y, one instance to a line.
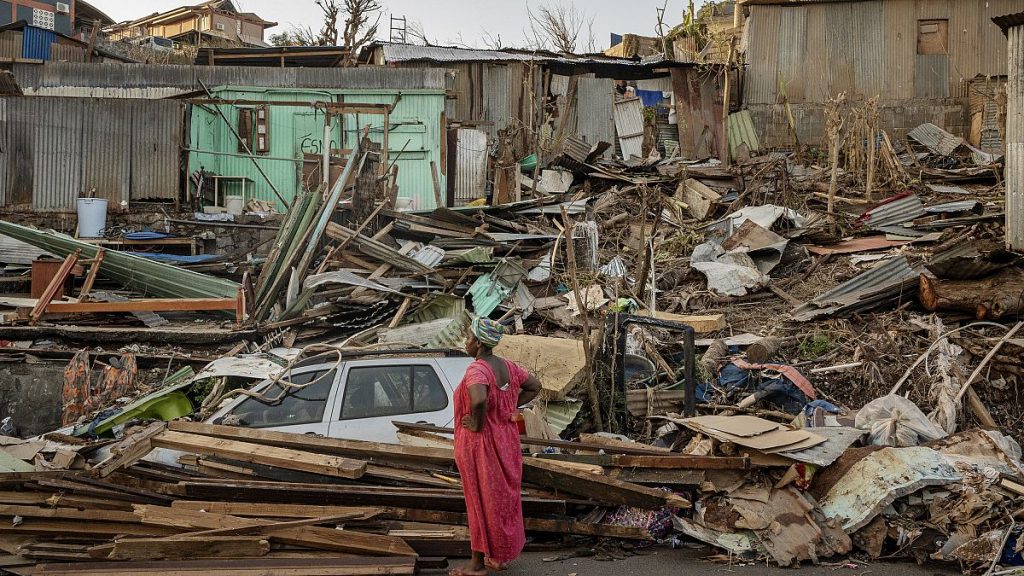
pixel 487 331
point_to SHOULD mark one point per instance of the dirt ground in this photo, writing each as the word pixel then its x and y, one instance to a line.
pixel 688 562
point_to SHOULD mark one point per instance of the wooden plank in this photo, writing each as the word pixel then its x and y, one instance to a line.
pixel 130 450
pixel 352 448
pixel 306 536
pixel 674 462
pixel 54 286
pixel 613 448
pixel 143 305
pixel 90 278
pixel 239 567
pixel 322 494
pixel 184 548
pixel 77 528
pixel 602 488
pixel 702 324
pixel 260 510
pixel 260 454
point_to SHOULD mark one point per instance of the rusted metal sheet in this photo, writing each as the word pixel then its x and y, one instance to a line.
pixel 762 54
pixel 595 118
pixel 880 478
pixel 887 281
pixel 107 149
pixel 699 112
pixel 159 81
pixel 157 134
pixel 498 94
pixel 471 165
pixel 629 126
pixel 57 149
pixel 792 48
pixel 57 155
pixel 869 48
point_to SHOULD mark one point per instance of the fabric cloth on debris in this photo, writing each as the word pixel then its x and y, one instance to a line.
pixel 733 380
pixel 491 463
pixel 791 374
pixel 487 331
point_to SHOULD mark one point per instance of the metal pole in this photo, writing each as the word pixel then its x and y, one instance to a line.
pixel 246 147
pixel 326 170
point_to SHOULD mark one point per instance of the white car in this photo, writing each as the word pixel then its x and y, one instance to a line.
pixel 356 399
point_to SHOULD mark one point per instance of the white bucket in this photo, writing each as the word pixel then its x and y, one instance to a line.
pixel 404 204
pixel 92 217
pixel 234 205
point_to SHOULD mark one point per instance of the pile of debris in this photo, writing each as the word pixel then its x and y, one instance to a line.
pixel 236 501
pixel 809 354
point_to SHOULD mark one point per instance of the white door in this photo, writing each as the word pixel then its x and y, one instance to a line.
pixel 300 407
pixel 377 393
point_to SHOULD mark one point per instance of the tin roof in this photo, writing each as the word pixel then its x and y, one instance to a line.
pixel 396 53
pixel 1009 21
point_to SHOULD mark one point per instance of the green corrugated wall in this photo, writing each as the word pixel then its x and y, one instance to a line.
pixel 415 126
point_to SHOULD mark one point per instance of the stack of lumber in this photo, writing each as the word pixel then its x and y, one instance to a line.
pixel 233 501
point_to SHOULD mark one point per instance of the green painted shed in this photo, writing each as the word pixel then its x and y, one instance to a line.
pixel 293 136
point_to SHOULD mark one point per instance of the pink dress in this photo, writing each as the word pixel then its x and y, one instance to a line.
pixel 491 464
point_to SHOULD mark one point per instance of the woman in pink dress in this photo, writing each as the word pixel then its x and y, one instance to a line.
pixel 487 449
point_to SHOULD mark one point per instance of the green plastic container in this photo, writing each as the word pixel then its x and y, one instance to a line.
pixel 528 164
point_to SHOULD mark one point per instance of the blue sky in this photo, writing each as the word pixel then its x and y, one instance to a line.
pixel 444 21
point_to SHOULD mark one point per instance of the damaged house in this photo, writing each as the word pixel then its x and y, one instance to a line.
pixel 926 61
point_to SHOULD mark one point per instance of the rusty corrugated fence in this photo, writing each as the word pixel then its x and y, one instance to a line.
pixel 60 148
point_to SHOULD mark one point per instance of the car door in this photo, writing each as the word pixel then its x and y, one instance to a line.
pixel 302 403
pixel 376 393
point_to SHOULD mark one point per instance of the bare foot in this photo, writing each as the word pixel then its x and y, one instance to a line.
pixel 467 571
pixel 495 565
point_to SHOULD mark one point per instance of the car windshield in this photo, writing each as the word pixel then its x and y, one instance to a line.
pixel 299 399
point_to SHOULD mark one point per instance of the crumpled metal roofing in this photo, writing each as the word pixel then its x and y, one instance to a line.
pixel 394 53
pixel 894 211
pixel 139 274
pixel 964 261
pixel 943 143
pixel 889 280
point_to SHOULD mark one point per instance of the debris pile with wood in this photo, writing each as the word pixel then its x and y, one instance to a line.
pixel 779 358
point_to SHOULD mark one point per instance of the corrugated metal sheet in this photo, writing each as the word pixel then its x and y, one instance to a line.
pixel 471 165
pixel 131 80
pixel 17 252
pixel 3 152
pixel 792 48
pixel 889 280
pixel 900 37
pixel 11 43
pixel 595 119
pixel 37 43
pixel 629 126
pixel 893 212
pixel 741 132
pixel 57 154
pixel 139 274
pixel 59 148
pixel 498 95
pixel 964 262
pixel 1015 140
pixel 398 53
pixel 107 148
pixel 869 48
pixel 157 128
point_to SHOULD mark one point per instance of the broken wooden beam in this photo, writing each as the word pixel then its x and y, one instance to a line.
pixel 601 488
pixel 306 536
pixel 286 458
pixel 238 567
pixel 182 548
